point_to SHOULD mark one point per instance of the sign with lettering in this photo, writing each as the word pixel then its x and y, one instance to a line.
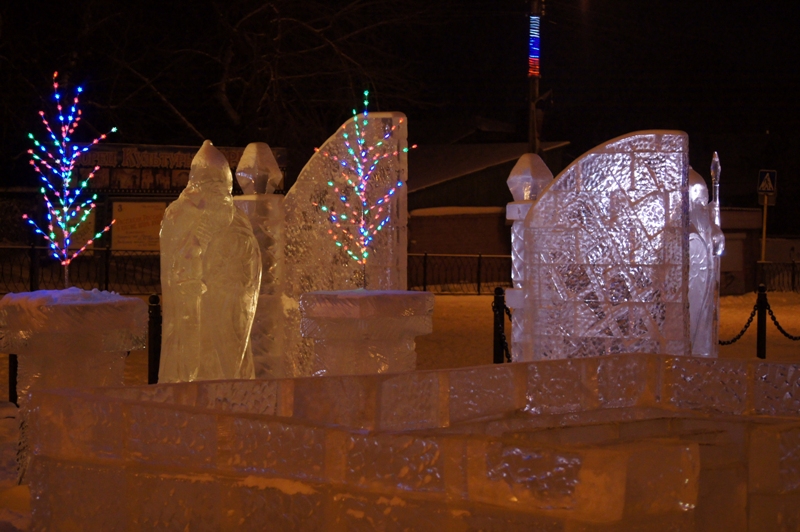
pixel 146 168
pixel 137 226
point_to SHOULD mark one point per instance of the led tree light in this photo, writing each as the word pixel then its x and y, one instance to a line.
pixel 54 160
pixel 354 213
pixel 533 47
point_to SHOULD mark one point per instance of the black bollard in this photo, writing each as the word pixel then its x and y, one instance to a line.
pixel 12 379
pixel 498 304
pixel 153 339
pixel 761 322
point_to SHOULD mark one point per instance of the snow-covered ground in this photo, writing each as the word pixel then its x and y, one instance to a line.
pixel 462 334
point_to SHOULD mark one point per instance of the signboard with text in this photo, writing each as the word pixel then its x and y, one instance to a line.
pixel 137 225
pixel 146 168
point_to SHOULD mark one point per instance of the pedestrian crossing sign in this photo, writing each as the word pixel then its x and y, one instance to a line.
pixel 767 182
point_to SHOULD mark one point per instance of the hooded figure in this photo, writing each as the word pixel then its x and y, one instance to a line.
pixel 210 275
pixel 706 242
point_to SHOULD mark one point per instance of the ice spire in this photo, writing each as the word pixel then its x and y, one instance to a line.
pixel 715 171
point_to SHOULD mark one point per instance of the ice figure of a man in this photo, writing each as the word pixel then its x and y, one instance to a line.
pixel 706 243
pixel 210 275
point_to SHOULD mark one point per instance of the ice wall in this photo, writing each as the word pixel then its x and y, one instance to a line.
pixel 606 252
pixel 210 277
pixel 312 260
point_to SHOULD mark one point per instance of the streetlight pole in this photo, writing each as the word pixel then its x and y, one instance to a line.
pixel 536 13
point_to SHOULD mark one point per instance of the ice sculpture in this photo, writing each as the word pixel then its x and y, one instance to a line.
pixel 365 331
pixel 265 212
pixel 313 261
pixel 705 243
pixel 210 276
pixel 528 177
pixel 70 338
pixel 258 171
pixel 606 253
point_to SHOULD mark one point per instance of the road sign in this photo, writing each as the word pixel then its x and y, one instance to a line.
pixel 767 182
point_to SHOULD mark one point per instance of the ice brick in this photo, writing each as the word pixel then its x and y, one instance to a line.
pixel 210 277
pixel 556 387
pixel 486 391
pixel 365 331
pixel 776 390
pixel 706 384
pixel 349 401
pixel 775 459
pixel 414 401
pixel 773 512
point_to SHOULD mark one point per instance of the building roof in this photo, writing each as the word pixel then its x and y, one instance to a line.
pixel 432 164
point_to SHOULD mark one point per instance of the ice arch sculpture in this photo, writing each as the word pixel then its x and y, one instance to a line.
pixel 312 260
pixel 606 253
pixel 211 272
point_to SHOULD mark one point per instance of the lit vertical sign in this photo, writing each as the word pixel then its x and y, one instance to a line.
pixel 533 48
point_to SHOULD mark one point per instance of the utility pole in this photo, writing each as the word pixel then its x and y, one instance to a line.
pixel 535 15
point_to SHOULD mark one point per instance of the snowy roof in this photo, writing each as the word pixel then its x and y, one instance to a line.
pixel 432 164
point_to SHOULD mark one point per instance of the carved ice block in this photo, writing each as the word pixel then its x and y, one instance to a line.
pixel 365 331
pixel 606 253
pixel 72 337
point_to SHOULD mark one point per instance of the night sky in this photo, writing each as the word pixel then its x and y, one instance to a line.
pixel 726 72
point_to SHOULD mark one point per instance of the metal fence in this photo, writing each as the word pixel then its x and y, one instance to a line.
pixel 779 276
pixel 458 274
pixel 29 268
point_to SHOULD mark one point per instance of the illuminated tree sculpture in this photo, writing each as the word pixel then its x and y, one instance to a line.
pixel 66 209
pixel 360 201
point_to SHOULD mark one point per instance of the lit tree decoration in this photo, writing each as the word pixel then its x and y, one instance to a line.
pixel 66 209
pixel 355 215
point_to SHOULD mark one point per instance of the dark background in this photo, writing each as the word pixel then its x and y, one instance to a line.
pixel 289 72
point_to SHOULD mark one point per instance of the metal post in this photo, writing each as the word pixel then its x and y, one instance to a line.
pixel 764 232
pixel 33 272
pixel 12 379
pixel 425 272
pixel 153 339
pixel 107 268
pixel 479 274
pixel 498 305
pixel 761 322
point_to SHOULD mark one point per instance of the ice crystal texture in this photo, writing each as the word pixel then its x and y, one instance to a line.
pixel 527 180
pixel 618 442
pixel 313 262
pixel 606 253
pixel 72 337
pixel 266 216
pixel 365 331
pixel 210 275
pixel 706 242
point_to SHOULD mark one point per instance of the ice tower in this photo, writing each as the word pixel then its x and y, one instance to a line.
pixel 210 275
pixel 259 176
pixel 606 253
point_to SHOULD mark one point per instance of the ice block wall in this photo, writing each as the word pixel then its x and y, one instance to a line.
pixel 625 442
pixel 606 249
pixel 312 259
